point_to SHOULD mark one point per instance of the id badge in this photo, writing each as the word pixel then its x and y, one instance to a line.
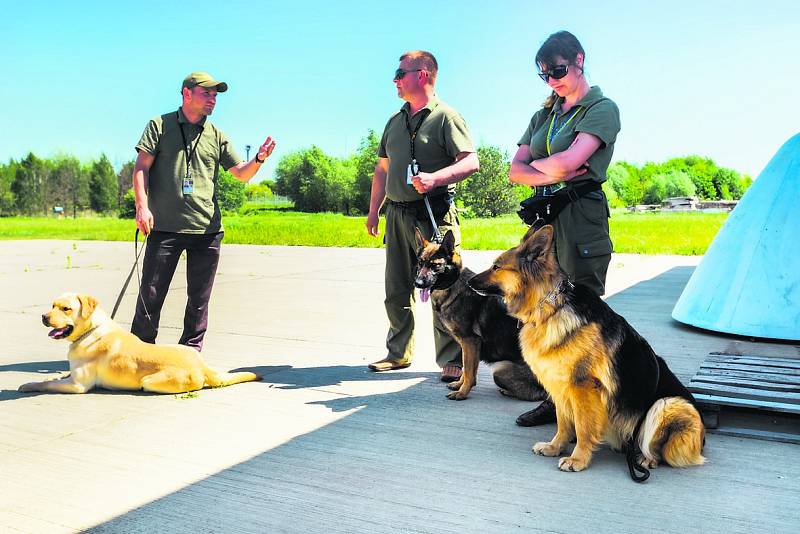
pixel 188 186
pixel 413 170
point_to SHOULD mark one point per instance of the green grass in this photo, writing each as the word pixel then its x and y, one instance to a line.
pixel 640 233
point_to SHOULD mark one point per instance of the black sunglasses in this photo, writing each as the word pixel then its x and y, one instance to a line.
pixel 557 72
pixel 399 74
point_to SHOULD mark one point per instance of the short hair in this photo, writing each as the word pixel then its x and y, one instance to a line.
pixel 423 60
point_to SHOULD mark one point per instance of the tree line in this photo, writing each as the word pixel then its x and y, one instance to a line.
pixel 317 182
pixel 37 186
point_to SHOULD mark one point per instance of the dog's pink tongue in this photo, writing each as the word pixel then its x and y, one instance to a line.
pixel 424 294
pixel 56 332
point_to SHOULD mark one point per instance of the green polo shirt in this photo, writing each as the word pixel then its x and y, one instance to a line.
pixel 196 213
pixel 597 115
pixel 441 137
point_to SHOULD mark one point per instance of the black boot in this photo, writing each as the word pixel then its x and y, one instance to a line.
pixel 541 415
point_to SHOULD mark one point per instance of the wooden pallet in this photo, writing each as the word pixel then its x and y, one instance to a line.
pixel 759 383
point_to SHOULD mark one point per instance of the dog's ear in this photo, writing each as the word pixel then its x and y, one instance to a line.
pixel 88 304
pixel 537 225
pixel 536 243
pixel 449 242
pixel 421 241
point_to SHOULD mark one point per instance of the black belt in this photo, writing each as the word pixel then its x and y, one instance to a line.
pixel 572 190
pixel 420 204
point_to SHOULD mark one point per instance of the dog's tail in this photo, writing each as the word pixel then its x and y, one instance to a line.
pixel 218 379
pixel 673 431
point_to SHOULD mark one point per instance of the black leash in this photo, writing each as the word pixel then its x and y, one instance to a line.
pixel 133 268
pixel 639 473
pixel 437 235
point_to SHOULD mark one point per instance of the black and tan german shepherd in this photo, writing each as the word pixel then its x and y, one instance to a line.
pixel 604 378
pixel 480 324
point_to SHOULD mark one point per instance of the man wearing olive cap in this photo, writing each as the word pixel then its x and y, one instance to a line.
pixel 175 181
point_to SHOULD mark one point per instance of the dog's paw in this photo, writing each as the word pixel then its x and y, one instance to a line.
pixel 27 388
pixel 458 395
pixel 646 463
pixel 570 463
pixel 456 385
pixel 545 448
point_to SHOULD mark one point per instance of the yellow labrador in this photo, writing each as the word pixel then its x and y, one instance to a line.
pixel 102 354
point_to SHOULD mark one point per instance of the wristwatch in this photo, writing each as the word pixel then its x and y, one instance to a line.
pixel 260 160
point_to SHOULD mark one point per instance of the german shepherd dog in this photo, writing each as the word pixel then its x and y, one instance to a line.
pixel 480 324
pixel 604 378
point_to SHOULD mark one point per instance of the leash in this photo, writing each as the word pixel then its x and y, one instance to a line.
pixel 639 473
pixel 135 267
pixel 437 235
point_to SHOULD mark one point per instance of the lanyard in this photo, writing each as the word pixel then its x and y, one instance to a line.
pixel 413 135
pixel 189 154
pixel 551 134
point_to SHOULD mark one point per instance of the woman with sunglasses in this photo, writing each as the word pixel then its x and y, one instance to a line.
pixel 566 150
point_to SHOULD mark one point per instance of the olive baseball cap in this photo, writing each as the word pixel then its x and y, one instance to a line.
pixel 204 79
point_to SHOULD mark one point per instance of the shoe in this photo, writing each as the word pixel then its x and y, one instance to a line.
pixel 388 364
pixel 450 373
pixel 541 415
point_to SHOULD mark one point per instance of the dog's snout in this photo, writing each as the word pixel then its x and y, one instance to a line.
pixel 45 320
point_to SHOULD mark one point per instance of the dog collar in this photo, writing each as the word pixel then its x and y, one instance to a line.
pixel 85 334
pixel 561 287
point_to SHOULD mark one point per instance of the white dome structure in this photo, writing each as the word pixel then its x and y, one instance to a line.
pixel 748 282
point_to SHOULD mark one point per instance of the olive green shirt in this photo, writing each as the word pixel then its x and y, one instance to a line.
pixel 173 211
pixel 597 115
pixel 441 137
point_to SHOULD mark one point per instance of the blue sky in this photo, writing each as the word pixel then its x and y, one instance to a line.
pixel 718 79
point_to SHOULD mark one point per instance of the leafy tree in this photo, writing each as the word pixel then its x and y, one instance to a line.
pixel 229 191
pixel 701 171
pixel 127 208
pixel 669 185
pixel 365 160
pixel 728 184
pixel 28 184
pixel 66 184
pixel 624 178
pixel 124 181
pixel 488 193
pixel 612 196
pixel 314 181
pixel 102 185
pixel 7 175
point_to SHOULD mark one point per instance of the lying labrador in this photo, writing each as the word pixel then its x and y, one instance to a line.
pixel 102 354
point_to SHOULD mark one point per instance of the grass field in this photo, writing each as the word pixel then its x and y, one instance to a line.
pixel 639 233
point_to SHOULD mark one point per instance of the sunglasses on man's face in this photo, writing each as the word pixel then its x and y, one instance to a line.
pixel 557 72
pixel 399 74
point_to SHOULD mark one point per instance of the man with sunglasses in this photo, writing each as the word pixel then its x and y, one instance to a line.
pixel 174 182
pixel 424 151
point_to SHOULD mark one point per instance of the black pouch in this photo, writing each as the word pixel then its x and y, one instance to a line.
pixel 544 208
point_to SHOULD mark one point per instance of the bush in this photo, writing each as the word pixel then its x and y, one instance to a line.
pixel 669 185
pixel 127 209
pixel 625 180
pixel 230 192
pixel 315 182
pixel 259 191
